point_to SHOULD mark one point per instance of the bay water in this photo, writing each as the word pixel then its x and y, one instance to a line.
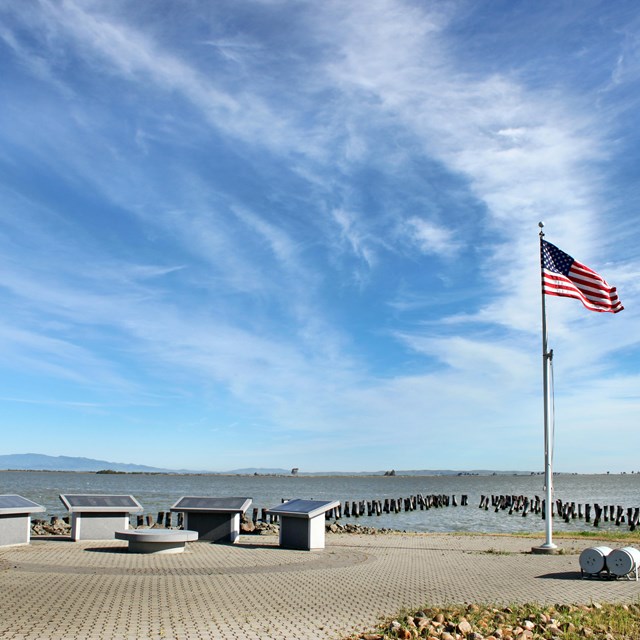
pixel 158 492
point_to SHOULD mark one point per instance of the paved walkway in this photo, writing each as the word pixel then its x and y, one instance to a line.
pixel 56 589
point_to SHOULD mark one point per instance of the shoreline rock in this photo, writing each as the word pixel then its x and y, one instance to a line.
pixel 62 527
pixel 55 527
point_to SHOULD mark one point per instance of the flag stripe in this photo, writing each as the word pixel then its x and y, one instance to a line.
pixel 559 288
pixel 570 292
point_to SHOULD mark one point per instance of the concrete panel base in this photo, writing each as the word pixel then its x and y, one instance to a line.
pixel 214 527
pixel 97 526
pixel 302 533
pixel 15 529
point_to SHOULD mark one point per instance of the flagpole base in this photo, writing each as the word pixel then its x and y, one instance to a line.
pixel 548 548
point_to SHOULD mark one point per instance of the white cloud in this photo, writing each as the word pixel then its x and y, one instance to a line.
pixel 354 235
pixel 432 238
pixel 138 59
pixel 282 246
pixel 37 352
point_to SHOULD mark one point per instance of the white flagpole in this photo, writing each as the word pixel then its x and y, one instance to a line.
pixel 548 546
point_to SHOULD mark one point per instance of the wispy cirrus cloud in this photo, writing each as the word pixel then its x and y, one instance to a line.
pixel 354 233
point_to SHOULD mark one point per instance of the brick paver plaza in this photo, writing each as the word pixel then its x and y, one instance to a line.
pixel 62 589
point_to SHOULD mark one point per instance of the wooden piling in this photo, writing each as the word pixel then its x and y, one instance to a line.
pixel 598 511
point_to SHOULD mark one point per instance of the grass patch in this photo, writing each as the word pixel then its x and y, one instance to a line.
pixel 614 536
pixel 497 552
pixel 595 534
pixel 528 621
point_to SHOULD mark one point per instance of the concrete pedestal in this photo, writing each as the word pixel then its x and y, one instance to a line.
pixel 15 519
pixel 97 526
pixel 215 519
pixel 156 540
pixel 302 523
pixel 98 517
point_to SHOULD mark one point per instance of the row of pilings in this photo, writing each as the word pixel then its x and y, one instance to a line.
pixel 519 504
pixel 568 511
pixel 165 519
pixel 376 507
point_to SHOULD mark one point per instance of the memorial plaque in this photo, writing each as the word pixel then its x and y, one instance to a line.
pixel 215 519
pixel 11 504
pixel 97 516
pixel 15 519
pixel 303 508
pixel 302 522
pixel 86 503
pixel 214 505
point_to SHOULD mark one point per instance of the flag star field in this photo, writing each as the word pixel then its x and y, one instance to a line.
pixel 277 234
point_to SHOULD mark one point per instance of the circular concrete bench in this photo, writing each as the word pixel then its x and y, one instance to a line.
pixel 157 540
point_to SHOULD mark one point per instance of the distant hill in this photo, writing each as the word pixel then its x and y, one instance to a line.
pixel 40 462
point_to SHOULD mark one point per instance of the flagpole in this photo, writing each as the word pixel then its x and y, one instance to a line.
pixel 548 546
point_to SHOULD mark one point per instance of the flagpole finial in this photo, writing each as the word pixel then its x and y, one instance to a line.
pixel 541 225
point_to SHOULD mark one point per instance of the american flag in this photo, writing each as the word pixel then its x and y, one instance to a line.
pixel 566 277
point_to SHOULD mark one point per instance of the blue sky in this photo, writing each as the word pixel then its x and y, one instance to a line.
pixel 278 233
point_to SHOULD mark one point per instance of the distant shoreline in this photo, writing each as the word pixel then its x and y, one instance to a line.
pixel 320 474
